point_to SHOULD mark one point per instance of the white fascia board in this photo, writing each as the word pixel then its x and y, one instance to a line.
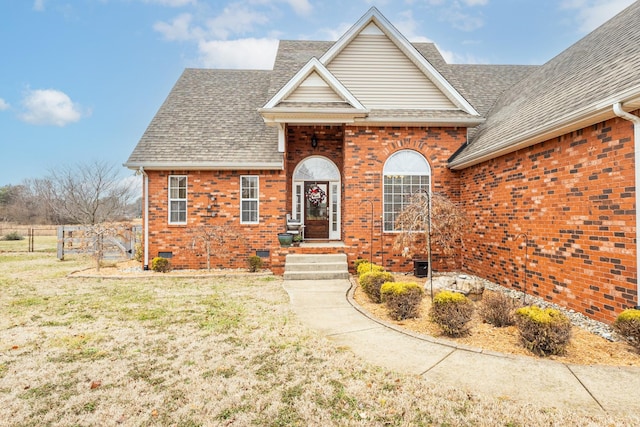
pixel 206 165
pixel 374 15
pixel 313 65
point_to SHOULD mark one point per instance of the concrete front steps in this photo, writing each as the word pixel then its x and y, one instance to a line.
pixel 316 267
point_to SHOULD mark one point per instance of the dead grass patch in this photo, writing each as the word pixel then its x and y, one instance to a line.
pixel 212 351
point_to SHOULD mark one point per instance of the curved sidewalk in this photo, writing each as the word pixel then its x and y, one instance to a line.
pixel 327 307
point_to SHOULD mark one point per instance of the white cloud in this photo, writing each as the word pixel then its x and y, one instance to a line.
pixel 235 19
pixel 408 26
pixel 301 7
pixel 247 53
pixel 4 105
pixel 590 14
pixel 38 5
pixel 476 2
pixel 49 107
pixel 179 29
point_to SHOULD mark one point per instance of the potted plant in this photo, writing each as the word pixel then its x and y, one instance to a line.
pixel 285 239
pixel 297 239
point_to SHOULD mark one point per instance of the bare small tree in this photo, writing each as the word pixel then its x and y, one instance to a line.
pixel 95 239
pixel 88 193
pixel 211 238
pixel 448 224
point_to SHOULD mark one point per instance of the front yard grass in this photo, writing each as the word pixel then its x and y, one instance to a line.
pixel 203 351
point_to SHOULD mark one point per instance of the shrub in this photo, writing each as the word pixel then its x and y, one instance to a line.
pixel 627 325
pixel 543 331
pixel 14 235
pixel 366 267
pixel 402 299
pixel 498 309
pixel 160 265
pixel 255 263
pixel 371 281
pixel 357 263
pixel 452 311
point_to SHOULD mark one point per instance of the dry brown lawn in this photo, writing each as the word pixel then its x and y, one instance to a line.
pixel 212 351
pixel 585 348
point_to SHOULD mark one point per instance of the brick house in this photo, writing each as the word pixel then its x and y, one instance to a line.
pixel 337 134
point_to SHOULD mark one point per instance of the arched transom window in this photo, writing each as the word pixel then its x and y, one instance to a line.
pixel 405 173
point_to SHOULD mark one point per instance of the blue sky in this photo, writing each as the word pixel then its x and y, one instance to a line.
pixel 80 80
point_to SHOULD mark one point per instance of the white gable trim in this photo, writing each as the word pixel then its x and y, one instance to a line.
pixel 364 25
pixel 314 65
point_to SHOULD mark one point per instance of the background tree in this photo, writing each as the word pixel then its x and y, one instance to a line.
pixel 88 193
pixel 448 224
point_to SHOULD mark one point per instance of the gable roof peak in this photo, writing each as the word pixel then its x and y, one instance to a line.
pixel 384 26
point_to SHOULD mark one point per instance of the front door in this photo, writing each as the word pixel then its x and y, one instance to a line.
pixel 316 210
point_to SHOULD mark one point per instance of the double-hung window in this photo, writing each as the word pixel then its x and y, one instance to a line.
pixel 406 172
pixel 177 199
pixel 249 199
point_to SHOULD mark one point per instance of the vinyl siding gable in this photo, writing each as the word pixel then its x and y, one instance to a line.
pixel 381 76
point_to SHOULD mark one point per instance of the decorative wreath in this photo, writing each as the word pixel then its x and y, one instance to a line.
pixel 315 195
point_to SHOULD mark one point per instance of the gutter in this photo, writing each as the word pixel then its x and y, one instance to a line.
pixel 617 109
pixel 145 184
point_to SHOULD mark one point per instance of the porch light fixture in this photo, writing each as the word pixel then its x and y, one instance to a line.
pixel 314 141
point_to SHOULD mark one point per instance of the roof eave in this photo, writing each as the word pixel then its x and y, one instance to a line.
pixel 417 121
pixel 279 165
pixel 293 115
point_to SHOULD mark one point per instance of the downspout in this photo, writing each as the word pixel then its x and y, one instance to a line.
pixel 145 183
pixel 617 109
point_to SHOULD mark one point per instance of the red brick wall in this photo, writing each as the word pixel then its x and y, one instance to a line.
pixel 242 240
pixel 574 197
pixel 366 151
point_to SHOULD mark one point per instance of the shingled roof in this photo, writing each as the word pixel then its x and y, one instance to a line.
pixel 576 88
pixel 210 121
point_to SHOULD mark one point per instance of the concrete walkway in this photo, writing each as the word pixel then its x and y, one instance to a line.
pixel 327 306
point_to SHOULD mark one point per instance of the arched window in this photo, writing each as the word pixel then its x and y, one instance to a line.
pixel 405 173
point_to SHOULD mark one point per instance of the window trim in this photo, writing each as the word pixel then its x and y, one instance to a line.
pixel 178 199
pixel 250 199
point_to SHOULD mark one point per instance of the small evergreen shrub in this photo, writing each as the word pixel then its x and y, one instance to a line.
pixel 498 309
pixel 357 263
pixel 543 331
pixel 255 263
pixel 452 311
pixel 372 281
pixel 139 252
pixel 14 235
pixel 160 265
pixel 366 267
pixel 402 299
pixel 627 325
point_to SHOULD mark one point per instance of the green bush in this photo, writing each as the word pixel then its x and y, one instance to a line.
pixel 498 309
pixel 366 267
pixel 14 235
pixel 543 331
pixel 452 311
pixel 255 263
pixel 160 265
pixel 371 281
pixel 627 325
pixel 402 299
